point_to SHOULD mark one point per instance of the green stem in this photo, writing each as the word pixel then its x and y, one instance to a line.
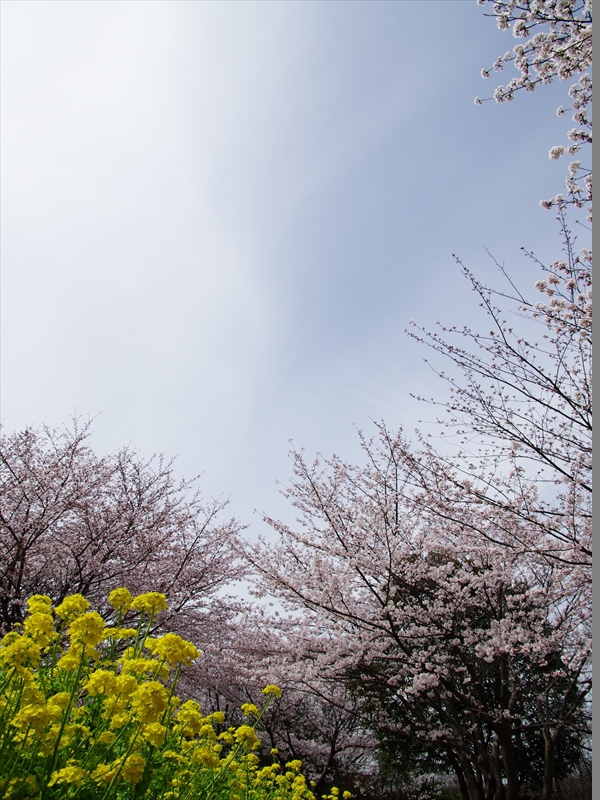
pixel 66 715
pixel 123 759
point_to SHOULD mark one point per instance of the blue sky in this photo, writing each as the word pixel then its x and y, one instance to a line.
pixel 219 217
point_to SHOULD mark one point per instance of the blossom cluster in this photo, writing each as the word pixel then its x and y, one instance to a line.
pixel 557 38
pixel 90 710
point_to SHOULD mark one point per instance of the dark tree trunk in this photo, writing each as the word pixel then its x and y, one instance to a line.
pixel 495 787
pixel 513 784
pixel 460 775
pixel 474 787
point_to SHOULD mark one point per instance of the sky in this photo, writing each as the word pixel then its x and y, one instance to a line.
pixel 219 218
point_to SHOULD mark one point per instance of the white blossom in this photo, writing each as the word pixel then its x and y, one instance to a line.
pixel 555 41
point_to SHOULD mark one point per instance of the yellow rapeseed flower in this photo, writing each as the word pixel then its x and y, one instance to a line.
pixel 137 713
pixel 106 737
pixel 216 718
pixel 272 689
pixel 154 733
pixel 33 716
pixel 119 633
pixel 101 681
pixel 151 603
pixel 69 662
pixel 126 685
pixel 190 718
pixel 60 699
pixel 19 651
pixel 87 629
pixel 9 638
pixel 207 731
pixel 114 705
pixel 72 606
pixel 149 700
pixel 71 731
pixel 119 721
pixel 74 775
pixel 204 756
pixel 133 769
pixel 298 786
pixel 171 755
pixel 31 691
pixel 266 773
pixel 39 602
pixel 247 736
pixel 173 649
pixel 141 666
pixel 104 773
pixel 40 628
pixel 120 599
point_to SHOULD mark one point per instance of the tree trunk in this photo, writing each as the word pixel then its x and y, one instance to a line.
pixel 474 787
pixel 548 766
pixel 460 775
pixel 513 784
pixel 495 788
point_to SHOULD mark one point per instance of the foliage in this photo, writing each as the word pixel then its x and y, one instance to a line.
pixel 90 711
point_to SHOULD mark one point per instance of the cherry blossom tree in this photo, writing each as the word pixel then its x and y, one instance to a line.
pixel 452 586
pixel 72 521
pixel 556 43
pixel 520 410
pixel 482 650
